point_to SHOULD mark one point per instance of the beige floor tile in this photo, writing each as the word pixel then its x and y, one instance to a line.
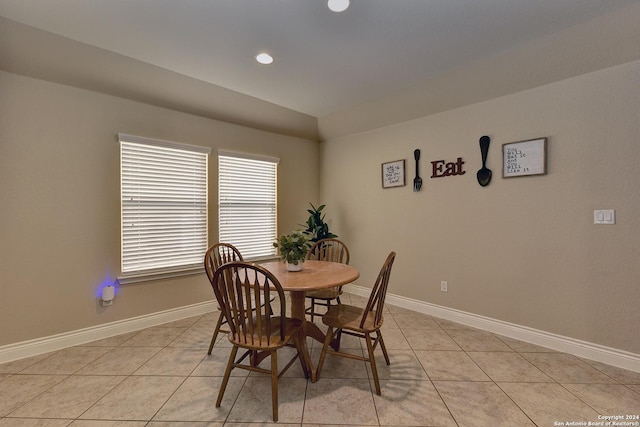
pixel 339 401
pixel 623 376
pixel 284 356
pixel 341 367
pixel 450 366
pixel 111 341
pixel 475 340
pixel 507 366
pixel 120 361
pixel 173 361
pixel 208 320
pixel 548 403
pixel 476 404
pixel 394 339
pixel 214 365
pixel 429 339
pixel 346 341
pixel 69 398
pixel 19 389
pixel 189 424
pixel 32 422
pixel 524 347
pixel 448 324
pixel 567 368
pixel 20 365
pixel 608 398
pixel 221 342
pixel 254 401
pixel 415 320
pixel 67 361
pixel 528 383
pixel 389 327
pixel 411 403
pixel 322 425
pixel 197 336
pixel 358 301
pixel 404 366
pixel 388 321
pixel 393 309
pixel 134 399
pixel 157 336
pixel 261 424
pixel 103 423
pixel 196 398
pixel 183 323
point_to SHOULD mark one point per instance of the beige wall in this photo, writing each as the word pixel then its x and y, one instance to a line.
pixel 522 250
pixel 59 192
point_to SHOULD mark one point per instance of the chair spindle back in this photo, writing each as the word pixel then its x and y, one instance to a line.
pixel 329 250
pixel 379 292
pixel 241 289
pixel 219 254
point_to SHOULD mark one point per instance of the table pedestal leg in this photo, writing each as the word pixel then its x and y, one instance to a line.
pixel 308 329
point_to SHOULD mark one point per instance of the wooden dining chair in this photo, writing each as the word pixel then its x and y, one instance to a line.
pixel 332 250
pixel 216 256
pixel 360 322
pixel 258 331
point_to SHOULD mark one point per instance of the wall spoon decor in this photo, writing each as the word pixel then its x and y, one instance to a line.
pixel 484 174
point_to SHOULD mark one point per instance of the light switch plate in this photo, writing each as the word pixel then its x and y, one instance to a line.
pixel 604 216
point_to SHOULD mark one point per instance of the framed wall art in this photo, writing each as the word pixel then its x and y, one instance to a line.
pixel 524 158
pixel 393 174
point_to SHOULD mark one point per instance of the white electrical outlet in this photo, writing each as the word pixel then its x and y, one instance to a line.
pixel 604 216
pixel 444 286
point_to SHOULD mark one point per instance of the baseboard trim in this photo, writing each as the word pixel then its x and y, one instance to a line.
pixel 38 346
pixel 591 351
pixel 610 356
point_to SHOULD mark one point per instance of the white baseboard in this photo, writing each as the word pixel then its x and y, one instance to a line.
pixel 610 356
pixel 82 336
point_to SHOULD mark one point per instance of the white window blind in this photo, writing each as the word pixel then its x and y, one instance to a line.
pixel 163 205
pixel 247 205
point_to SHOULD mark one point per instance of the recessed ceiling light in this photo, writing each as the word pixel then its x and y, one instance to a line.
pixel 264 58
pixel 338 5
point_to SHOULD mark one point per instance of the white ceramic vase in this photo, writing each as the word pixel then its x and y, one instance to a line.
pixel 294 267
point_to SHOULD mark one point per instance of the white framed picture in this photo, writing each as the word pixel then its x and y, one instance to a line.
pixel 393 174
pixel 524 158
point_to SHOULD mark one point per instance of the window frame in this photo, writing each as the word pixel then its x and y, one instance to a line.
pixel 265 241
pixel 194 191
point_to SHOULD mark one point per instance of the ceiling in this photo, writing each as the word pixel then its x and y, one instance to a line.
pixel 325 62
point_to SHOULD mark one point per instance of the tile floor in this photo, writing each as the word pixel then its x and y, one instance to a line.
pixel 441 374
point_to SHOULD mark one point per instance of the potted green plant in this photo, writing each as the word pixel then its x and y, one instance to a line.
pixel 293 249
pixel 317 229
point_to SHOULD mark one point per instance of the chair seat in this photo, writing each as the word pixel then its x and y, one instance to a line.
pixel 240 289
pixel 348 317
pixel 329 293
pixel 360 322
pixel 250 341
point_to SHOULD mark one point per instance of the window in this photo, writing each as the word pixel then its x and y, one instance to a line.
pixel 247 212
pixel 163 189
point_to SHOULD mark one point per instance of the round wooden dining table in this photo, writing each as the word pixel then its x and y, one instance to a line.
pixel 314 275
